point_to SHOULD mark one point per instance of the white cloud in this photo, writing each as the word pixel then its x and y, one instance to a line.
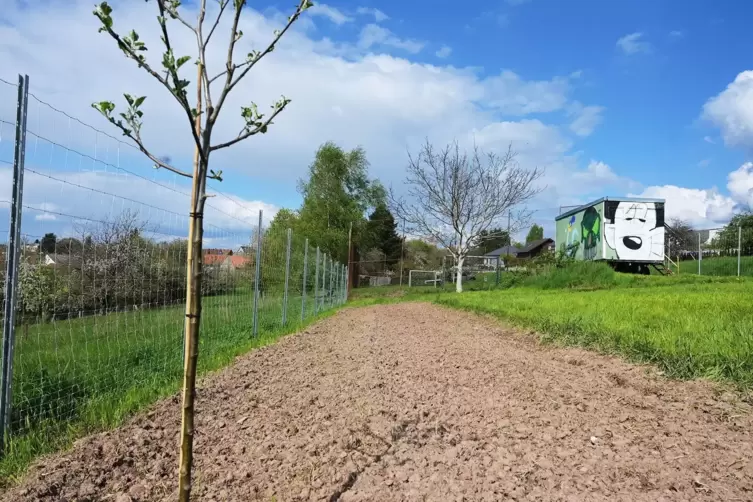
pixel 373 35
pixel 633 44
pixel 444 52
pixel 511 95
pixel 704 163
pixel 702 208
pixel 586 118
pixel 740 184
pixel 708 139
pixel 707 208
pixel 732 111
pixel 379 16
pixel 676 34
pixel 351 92
pixel 331 13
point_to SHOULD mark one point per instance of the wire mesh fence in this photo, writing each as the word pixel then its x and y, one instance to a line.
pixel 101 269
pixel 726 251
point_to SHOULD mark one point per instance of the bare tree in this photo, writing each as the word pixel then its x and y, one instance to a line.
pixel 680 237
pixel 453 197
pixel 201 119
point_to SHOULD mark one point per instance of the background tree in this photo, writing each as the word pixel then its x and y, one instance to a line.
pixel 381 233
pixel 727 238
pixel 536 233
pixel 680 236
pixel 453 196
pixel 489 240
pixel 338 192
pixel 48 242
pixel 201 116
pixel 421 255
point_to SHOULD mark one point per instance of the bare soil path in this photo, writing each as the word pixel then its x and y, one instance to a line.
pixel 416 402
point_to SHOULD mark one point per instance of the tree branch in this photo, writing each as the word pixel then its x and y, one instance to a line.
pixel 136 137
pixel 223 4
pixel 260 128
pixel 253 58
pixel 141 61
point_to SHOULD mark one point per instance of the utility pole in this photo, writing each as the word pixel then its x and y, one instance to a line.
pixel 402 254
pixel 350 254
pixel 509 219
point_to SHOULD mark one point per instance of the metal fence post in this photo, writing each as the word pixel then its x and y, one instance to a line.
pixel 257 276
pixel 305 275
pixel 498 271
pixel 700 253
pixel 323 301
pixel 345 293
pixel 344 284
pixel 316 283
pixel 739 245
pixel 287 279
pixel 332 268
pixel 13 259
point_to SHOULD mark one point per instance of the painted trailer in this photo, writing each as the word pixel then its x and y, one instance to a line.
pixel 626 232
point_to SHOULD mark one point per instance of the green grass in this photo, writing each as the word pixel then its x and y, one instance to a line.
pixel 719 266
pixel 82 375
pixel 688 325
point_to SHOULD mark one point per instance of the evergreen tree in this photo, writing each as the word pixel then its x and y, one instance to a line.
pixel 536 233
pixel 381 233
pixel 338 193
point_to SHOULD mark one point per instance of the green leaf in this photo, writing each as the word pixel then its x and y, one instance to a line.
pixel 182 60
pixel 138 101
pixel 128 98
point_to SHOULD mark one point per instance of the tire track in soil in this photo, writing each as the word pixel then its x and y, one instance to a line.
pixel 418 402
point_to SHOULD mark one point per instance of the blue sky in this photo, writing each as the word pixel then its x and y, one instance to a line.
pixel 610 98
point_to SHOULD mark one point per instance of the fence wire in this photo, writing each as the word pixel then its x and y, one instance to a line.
pixel 102 271
pixel 725 251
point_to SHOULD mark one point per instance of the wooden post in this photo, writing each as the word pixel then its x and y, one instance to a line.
pixel 193 310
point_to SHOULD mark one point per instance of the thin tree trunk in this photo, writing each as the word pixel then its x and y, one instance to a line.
pixel 193 311
pixel 459 278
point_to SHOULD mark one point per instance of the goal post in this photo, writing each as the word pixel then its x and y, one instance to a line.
pixel 424 278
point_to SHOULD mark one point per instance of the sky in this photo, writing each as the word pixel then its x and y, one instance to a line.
pixel 619 98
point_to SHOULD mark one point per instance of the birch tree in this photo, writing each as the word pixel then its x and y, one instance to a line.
pixel 453 196
pixel 200 117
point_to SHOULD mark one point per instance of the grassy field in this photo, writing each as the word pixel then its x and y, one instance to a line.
pixel 719 266
pixel 687 325
pixel 81 375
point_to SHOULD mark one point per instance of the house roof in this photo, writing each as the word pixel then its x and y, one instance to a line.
pixel 504 251
pixel 213 259
pixel 217 251
pixel 535 244
pixel 239 261
pixel 65 259
pixel 234 260
pixel 603 199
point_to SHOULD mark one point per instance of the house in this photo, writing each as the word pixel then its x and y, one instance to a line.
pixel 62 260
pixel 536 247
pixel 245 249
pixel 490 259
pixel 225 262
pixel 218 252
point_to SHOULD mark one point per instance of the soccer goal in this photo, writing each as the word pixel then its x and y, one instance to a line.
pixel 424 278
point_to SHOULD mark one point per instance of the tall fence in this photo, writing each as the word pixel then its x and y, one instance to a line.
pixel 94 266
pixel 726 251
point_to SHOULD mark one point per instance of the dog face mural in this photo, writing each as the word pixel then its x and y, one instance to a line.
pixel 635 230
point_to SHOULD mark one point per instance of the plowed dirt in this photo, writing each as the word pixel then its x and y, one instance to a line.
pixel 416 402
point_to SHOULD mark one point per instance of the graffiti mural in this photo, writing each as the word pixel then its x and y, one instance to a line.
pixel 635 230
pixel 572 241
pixel 590 232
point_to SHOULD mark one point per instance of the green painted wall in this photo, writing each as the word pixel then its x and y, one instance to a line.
pixel 581 234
